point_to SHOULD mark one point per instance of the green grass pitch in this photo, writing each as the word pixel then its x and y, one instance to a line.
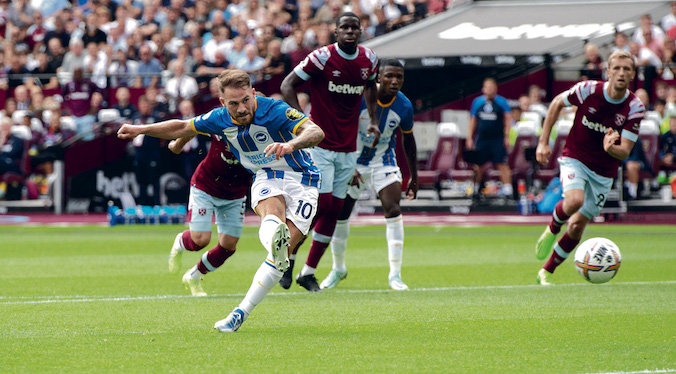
pixel 100 300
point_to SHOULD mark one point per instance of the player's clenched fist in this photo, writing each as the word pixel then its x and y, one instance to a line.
pixel 128 131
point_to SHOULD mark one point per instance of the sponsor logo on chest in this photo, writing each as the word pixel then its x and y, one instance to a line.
pixel 345 88
pixel 619 121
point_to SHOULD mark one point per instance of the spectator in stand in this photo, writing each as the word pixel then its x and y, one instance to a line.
pixel 11 148
pixel 17 74
pixel 20 13
pixel 124 106
pixel 647 64
pixel 74 57
pixel 36 32
pixel 668 145
pixel 149 25
pixel 647 27
pixel 55 53
pixel 252 64
pixel 669 21
pixel 175 21
pixel 149 69
pixel 380 25
pixel 301 51
pixel 277 64
pixel 55 133
pixel 183 53
pixel 117 38
pixel 122 18
pixel 210 100
pixel 621 42
pixel 94 64
pixel 535 95
pixel 147 156
pixel 329 12
pixel 654 44
pixel 77 98
pixel 180 86
pixel 593 63
pixel 59 32
pixel 122 71
pixel 669 59
pixel 200 68
pixel 10 108
pixel 23 101
pixel 220 63
pixel 368 28
pixel 92 32
pixel 219 42
pixel 37 101
pixel 44 74
pixel 158 102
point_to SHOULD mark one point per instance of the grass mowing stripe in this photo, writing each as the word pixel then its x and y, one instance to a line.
pixel 81 299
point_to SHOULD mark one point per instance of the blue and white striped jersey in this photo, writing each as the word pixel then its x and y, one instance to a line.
pixel 396 113
pixel 274 121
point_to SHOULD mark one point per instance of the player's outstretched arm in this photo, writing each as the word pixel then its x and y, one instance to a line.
pixel 171 129
pixel 411 152
pixel 308 135
pixel 176 145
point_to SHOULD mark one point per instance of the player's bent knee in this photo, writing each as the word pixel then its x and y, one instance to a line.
pixel 200 238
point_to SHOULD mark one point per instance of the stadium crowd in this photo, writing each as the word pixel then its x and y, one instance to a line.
pixel 63 61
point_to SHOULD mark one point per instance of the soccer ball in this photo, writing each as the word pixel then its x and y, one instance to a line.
pixel 598 260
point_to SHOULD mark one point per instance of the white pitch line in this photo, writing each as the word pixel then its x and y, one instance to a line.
pixel 647 371
pixel 25 300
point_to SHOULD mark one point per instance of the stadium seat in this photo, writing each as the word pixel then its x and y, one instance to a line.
pixel 443 158
pixel 521 165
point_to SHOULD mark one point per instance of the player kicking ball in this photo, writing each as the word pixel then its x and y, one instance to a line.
pixel 377 167
pixel 217 187
pixel 604 131
pixel 269 138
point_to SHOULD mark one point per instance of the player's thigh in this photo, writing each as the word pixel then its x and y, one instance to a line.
pixel 301 205
pixel 325 162
pixel 230 217
pixel 596 194
pixel 387 183
pixel 343 173
pixel 201 207
pixel 267 196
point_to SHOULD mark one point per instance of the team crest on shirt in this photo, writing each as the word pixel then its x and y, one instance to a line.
pixel 265 191
pixel 571 175
pixel 293 114
pixel 619 119
pixel 364 73
pixel 261 137
pixel 202 211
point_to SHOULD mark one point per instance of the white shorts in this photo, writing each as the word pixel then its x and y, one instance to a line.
pixel 337 169
pixel 376 178
pixel 301 200
pixel 575 175
pixel 229 213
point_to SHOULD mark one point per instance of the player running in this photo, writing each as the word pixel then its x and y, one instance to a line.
pixel 217 187
pixel 268 137
pixel 377 167
pixel 604 131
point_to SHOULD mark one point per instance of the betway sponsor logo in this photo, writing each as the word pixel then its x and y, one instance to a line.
pixel 593 125
pixel 345 88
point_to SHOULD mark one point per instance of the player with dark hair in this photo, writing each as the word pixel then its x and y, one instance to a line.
pixel 340 74
pixel 268 138
pixel 604 131
pixel 377 167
